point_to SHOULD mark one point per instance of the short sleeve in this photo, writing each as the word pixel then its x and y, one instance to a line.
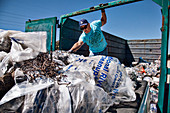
pixel 81 38
pixel 97 23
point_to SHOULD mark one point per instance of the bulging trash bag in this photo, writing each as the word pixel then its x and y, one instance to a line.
pixel 53 99
pixel 49 98
pixel 107 73
pixel 88 98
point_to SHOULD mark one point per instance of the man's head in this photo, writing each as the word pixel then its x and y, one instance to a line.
pixel 83 22
pixel 84 25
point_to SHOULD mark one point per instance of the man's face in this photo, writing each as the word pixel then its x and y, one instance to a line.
pixel 86 28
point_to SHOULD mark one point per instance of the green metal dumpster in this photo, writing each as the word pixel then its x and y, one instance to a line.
pixel 48 25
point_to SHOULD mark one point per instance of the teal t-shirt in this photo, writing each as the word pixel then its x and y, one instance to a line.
pixel 95 38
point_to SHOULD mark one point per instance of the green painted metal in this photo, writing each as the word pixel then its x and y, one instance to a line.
pixel 168 111
pixel 48 25
pixel 98 7
pixel 143 106
pixel 159 2
pixel 168 70
pixel 164 53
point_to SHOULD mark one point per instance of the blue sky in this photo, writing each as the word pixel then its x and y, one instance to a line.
pixel 139 20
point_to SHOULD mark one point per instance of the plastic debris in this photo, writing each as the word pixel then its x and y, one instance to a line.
pixel 149 72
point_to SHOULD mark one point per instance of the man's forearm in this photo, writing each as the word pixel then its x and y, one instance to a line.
pixel 103 18
pixel 76 47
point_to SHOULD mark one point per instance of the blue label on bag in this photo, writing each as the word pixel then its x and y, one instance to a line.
pixel 114 92
pixel 103 70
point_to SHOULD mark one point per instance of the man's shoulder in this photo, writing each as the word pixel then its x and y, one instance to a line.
pixel 82 34
pixel 96 23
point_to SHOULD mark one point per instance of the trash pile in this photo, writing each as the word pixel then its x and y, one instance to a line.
pixel 86 92
pixel 149 72
pixel 31 80
pixel 62 82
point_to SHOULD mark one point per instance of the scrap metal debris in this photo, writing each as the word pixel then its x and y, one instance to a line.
pixel 40 66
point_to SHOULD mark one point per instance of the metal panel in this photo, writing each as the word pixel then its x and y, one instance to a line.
pixel 164 50
pixel 99 7
pixel 116 46
pixel 48 25
pixel 144 105
pixel 148 49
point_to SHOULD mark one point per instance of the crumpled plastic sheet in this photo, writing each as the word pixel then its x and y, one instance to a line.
pixel 105 72
pixel 24 88
pixel 37 98
pixel 81 97
pixel 52 99
pixel 89 98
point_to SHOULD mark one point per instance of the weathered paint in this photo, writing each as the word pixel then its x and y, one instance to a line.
pixel 44 25
pixel 98 7
pixel 162 103
pixel 163 19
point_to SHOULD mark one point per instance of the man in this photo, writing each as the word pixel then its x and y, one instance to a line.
pixel 92 36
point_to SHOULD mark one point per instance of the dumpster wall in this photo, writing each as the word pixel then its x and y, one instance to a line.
pixel 148 49
pixel 118 47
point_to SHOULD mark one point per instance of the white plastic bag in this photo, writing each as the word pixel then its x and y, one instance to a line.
pixel 95 84
pixel 34 40
pixel 2 55
pixel 107 73
pixel 25 45
pixel 24 88
pixel 19 54
pixel 49 100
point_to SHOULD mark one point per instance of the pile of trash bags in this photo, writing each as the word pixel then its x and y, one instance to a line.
pixel 63 82
pixel 150 72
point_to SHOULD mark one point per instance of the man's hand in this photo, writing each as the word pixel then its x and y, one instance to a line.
pixel 101 5
pixel 102 10
pixel 70 51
